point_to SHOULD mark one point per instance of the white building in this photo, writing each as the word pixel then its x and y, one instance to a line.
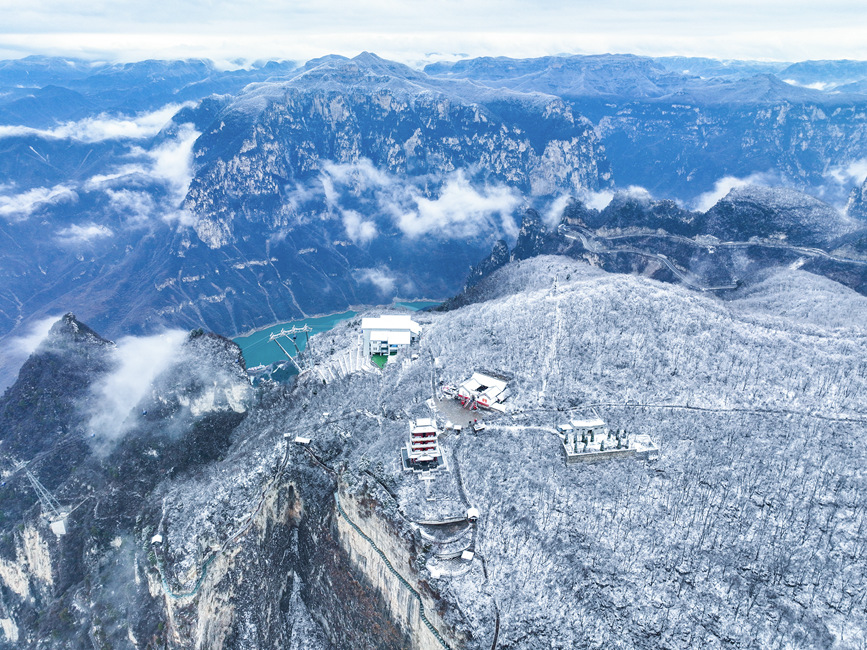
pixel 483 389
pixel 423 450
pixel 385 334
pixel 591 427
pixel 589 440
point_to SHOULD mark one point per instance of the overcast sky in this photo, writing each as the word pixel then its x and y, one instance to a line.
pixel 412 31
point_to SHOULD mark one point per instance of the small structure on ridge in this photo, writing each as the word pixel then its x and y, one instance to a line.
pixel 589 440
pixel 484 389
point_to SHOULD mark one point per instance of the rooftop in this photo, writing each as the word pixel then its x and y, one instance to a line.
pixel 391 322
pixel 590 423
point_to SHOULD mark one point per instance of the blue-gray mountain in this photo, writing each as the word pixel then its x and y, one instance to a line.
pixel 750 230
pixel 675 125
pixel 172 193
pixel 199 523
pixel 858 202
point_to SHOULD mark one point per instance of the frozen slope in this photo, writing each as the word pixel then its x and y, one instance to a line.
pixel 746 533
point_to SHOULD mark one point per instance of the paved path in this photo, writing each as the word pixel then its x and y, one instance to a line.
pixel 388 565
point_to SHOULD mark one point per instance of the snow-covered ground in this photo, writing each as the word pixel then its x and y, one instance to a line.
pixel 747 532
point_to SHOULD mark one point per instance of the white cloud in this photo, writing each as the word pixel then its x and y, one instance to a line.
pixel 26 344
pixel 17 349
pixel 357 229
pixel 298 195
pixel 17 207
pixel 853 172
pixel 411 31
pixel 183 218
pixel 819 85
pixel 723 186
pixel 76 235
pixel 362 174
pixel 597 200
pixel 381 278
pixel 170 163
pixel 331 196
pixel 636 192
pixel 552 215
pixel 138 361
pixel 135 206
pixel 102 127
pixel 461 210
pixel 458 209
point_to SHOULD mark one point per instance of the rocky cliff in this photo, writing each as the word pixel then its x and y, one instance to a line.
pixel 205 525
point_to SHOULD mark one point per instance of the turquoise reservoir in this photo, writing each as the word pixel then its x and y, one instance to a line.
pixel 259 350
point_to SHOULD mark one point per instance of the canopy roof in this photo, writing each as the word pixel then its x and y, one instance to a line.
pixel 391 322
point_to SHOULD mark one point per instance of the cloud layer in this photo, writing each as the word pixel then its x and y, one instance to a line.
pixel 102 127
pixel 461 210
pixel 138 361
pixel 18 348
pixel 147 184
pixel 413 30
pixel 381 278
pixel 169 164
pixel 359 194
pixel 723 186
pixel 17 207
pixel 83 234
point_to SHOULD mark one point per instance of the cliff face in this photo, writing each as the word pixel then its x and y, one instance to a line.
pixel 386 551
pixel 272 137
pixel 207 526
pixel 857 207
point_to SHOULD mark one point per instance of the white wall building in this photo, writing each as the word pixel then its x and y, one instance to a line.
pixel 386 334
pixel 589 440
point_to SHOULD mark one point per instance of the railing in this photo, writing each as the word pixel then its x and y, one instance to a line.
pixel 389 566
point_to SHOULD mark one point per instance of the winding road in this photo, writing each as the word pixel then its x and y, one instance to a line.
pixel 594 243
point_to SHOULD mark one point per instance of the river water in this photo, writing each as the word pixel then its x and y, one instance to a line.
pixel 259 350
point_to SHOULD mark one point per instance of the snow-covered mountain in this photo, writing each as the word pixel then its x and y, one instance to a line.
pixel 200 523
pixel 373 124
pixel 858 202
pixel 173 193
pixel 676 126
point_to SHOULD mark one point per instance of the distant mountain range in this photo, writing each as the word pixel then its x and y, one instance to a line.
pixel 174 193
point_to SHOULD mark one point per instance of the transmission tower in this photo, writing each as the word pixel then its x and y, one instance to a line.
pixel 51 509
pixel 291 335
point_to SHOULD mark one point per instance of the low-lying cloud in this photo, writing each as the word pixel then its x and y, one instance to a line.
pixel 381 278
pixel 552 215
pixel 17 349
pixel 446 207
pixel 138 361
pixel 102 127
pixel 601 199
pixel 723 186
pixel 18 207
pixel 461 210
pixel 357 228
pixel 854 172
pixel 129 188
pixel 78 234
pixel 169 163
pixel 135 207
pixel 597 200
